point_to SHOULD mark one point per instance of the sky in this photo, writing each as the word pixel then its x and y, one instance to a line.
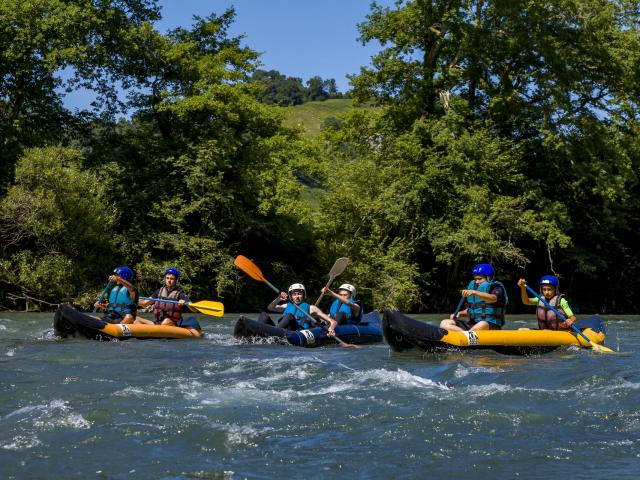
pixel 299 38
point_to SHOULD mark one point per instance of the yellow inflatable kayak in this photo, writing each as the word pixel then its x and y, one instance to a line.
pixel 68 322
pixel 405 333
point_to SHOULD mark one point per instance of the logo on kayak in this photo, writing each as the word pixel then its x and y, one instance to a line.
pixel 473 338
pixel 308 335
pixel 125 330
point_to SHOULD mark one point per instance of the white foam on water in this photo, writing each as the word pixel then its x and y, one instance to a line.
pixel 11 352
pixel 398 378
pixel 221 339
pixel 48 335
pixel 140 392
pixel 21 442
pixel 73 420
pixel 55 414
pixel 4 328
pixel 240 435
pixel 289 373
pixel 463 371
pixel 618 386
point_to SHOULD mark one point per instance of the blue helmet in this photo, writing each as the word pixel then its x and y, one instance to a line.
pixel 172 271
pixel 550 280
pixel 124 272
pixel 484 269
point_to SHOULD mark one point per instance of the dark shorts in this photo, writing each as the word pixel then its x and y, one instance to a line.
pixel 467 325
pixel 112 317
pixel 190 322
pixel 342 319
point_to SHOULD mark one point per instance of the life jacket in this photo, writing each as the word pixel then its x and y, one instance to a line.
pixel 162 310
pixel 337 306
pixel 302 319
pixel 120 303
pixel 547 319
pixel 478 309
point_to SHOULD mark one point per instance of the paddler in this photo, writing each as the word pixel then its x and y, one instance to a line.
pixel 345 309
pixel 550 290
pixel 122 301
pixel 485 300
pixel 169 313
pixel 290 304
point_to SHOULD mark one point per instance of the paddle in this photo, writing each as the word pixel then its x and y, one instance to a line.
pixel 251 269
pixel 208 307
pixel 457 310
pixel 104 292
pixel 338 267
pixel 596 347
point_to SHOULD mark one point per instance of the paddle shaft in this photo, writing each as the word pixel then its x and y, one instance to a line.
pixel 554 310
pixel 167 300
pixel 102 295
pixel 455 314
pixel 322 294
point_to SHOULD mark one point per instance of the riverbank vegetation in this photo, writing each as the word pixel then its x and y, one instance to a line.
pixel 486 131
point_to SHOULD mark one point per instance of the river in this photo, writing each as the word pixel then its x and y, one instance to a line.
pixel 218 409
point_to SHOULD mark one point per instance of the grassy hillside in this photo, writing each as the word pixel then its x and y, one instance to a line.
pixel 310 115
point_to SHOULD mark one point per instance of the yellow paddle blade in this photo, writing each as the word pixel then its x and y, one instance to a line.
pixel 601 348
pixel 209 307
pixel 248 267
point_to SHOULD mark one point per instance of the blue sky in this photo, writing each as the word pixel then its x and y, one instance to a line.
pixel 298 38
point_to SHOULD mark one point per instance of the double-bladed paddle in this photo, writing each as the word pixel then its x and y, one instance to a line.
pixel 338 267
pixel 596 347
pixel 251 269
pixel 208 307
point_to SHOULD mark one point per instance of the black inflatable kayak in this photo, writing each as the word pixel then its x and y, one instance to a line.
pixel 367 331
pixel 405 333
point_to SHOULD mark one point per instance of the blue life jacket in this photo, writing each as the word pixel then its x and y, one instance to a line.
pixel 338 306
pixel 478 309
pixel 120 302
pixel 302 319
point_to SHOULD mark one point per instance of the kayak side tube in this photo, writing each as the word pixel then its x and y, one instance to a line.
pixel 404 333
pixel 69 322
pixel 366 332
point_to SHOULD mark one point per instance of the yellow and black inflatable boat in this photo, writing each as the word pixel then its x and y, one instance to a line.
pixel 68 322
pixel 405 333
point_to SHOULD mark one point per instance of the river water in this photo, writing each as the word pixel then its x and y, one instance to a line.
pixel 217 409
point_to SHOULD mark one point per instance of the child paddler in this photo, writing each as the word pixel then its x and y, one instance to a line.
pixel 122 301
pixel 169 313
pixel 291 317
pixel 485 302
pixel 550 290
pixel 345 309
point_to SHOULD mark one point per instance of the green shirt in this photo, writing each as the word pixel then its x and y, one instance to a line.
pixel 564 305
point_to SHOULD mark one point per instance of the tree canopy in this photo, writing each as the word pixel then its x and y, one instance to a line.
pixel 503 132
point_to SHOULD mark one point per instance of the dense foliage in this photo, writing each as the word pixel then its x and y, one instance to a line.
pixel 499 131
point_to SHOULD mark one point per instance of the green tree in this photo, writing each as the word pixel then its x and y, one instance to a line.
pixel 54 210
pixel 555 79
pixel 279 89
pixel 38 39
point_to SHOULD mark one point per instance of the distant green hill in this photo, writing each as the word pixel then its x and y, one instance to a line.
pixel 310 115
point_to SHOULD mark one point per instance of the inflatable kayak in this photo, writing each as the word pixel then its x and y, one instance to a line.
pixel 367 331
pixel 405 333
pixel 69 322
